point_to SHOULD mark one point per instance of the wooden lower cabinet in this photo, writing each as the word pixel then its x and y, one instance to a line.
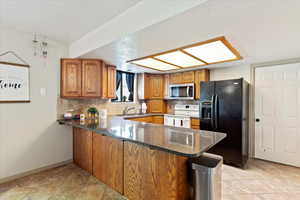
pixel 108 161
pixel 149 119
pixel 153 174
pixel 133 170
pixel 158 119
pixel 195 123
pixel 142 119
pixel 82 148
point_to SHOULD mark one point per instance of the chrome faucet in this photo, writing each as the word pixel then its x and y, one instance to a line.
pixel 127 109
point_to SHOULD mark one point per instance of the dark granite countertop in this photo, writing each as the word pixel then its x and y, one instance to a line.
pixel 181 141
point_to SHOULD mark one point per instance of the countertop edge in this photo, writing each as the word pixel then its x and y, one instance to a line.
pixel 104 131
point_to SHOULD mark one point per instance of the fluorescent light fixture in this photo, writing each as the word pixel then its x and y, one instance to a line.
pixel 212 52
pixel 180 59
pixel 216 50
pixel 154 64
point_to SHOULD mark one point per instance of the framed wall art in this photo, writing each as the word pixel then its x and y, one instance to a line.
pixel 14 82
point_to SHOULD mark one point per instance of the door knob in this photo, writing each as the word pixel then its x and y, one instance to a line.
pixel 257 120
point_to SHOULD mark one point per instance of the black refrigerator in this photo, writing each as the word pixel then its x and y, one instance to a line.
pixel 224 108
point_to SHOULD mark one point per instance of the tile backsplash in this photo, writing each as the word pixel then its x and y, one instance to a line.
pixel 81 106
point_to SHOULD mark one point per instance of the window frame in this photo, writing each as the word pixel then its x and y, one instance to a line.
pixel 121 88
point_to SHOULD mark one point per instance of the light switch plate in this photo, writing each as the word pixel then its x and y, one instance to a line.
pixel 43 92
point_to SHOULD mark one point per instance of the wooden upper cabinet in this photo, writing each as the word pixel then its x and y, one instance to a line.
pixel 188 77
pixel 182 77
pixel 191 77
pixel 104 80
pixel 176 78
pixel 71 75
pixel 111 84
pixel 200 75
pixel 156 86
pixel 91 78
pixel 166 85
pixel 147 92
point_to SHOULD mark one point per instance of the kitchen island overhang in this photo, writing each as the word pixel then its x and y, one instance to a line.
pixel 180 141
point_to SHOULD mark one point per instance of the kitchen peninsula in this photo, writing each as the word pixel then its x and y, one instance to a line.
pixel 138 159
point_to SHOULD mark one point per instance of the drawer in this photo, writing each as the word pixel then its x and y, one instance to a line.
pixel 142 119
pixel 195 127
pixel 158 119
pixel 195 122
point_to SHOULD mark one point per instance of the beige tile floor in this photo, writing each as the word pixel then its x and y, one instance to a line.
pixel 261 181
pixel 63 183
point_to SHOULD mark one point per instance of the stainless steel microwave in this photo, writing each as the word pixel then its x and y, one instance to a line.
pixel 181 91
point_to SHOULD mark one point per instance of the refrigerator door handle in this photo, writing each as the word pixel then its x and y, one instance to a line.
pixel 216 112
pixel 212 120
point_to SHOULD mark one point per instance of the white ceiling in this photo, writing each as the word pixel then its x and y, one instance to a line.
pixel 142 15
pixel 62 20
pixel 261 30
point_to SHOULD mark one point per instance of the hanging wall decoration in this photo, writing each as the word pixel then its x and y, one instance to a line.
pixel 40 47
pixel 14 81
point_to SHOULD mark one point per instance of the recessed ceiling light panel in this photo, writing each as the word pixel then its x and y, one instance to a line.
pixel 180 59
pixel 154 64
pixel 212 52
pixel 216 50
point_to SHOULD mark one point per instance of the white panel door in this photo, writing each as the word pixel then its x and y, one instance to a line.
pixel 277 107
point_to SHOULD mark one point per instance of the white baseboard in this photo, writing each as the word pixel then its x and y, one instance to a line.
pixel 17 176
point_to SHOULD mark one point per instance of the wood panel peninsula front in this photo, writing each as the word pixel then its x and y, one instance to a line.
pixel 140 160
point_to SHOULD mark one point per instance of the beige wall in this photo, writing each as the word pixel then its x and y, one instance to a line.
pixel 30 137
pixel 242 71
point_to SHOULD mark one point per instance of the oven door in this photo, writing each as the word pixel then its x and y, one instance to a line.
pixel 181 91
